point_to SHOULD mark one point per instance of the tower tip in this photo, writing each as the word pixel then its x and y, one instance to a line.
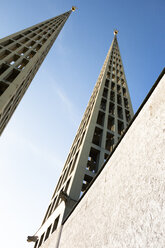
pixel 73 8
pixel 115 31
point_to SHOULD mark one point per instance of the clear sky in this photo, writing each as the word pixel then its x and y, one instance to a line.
pixel 35 143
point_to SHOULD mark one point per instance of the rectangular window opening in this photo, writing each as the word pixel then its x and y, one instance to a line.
pixel 3 68
pixel 105 157
pixel 13 74
pixel 55 224
pixel 119 101
pixel 124 92
pixel 120 127
pixel 109 144
pixel 105 92
pixel 86 182
pixel 111 108
pixel 103 104
pixel 108 75
pixel 112 96
pixel 107 83
pixel 48 232
pixel 111 124
pixel 22 64
pixel 120 112
pixel 97 137
pixel 41 240
pixel 3 54
pixel 128 117
pixel 113 86
pixel 93 160
pixel 100 118
pixel 126 103
pixel 6 43
pixel 14 47
pixel 3 87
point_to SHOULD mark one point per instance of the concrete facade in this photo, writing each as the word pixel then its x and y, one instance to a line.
pixel 107 115
pixel 125 205
pixel 21 55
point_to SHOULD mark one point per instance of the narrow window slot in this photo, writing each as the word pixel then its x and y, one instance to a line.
pixel 100 118
pixel 93 160
pixel 111 108
pixel 111 123
pixel 120 127
pixel 103 104
pixel 97 136
pixel 120 112
pixel 86 182
pixel 14 73
pixel 109 142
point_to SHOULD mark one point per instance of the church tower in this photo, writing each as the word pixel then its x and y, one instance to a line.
pixel 21 55
pixel 107 115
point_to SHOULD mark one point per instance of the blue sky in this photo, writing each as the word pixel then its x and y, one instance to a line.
pixel 34 145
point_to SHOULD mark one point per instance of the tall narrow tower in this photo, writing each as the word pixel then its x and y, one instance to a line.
pixel 108 113
pixel 21 55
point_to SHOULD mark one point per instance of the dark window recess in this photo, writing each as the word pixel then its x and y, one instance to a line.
pixel 24 40
pixel 6 43
pixel 109 142
pixel 120 112
pixel 22 64
pixel 97 136
pixel 3 87
pixel 118 89
pixel 30 44
pixel 122 82
pixel 14 47
pixel 111 123
pixel 111 108
pixel 119 99
pixel 103 104
pixel 120 127
pixel 112 96
pixel 107 83
pixel 55 224
pixel 43 41
pixel 113 76
pixel 93 160
pixel 14 73
pixel 12 59
pixel 108 75
pixel 36 243
pixel 113 86
pixel 109 68
pixel 3 68
pixel 37 47
pixel 100 118
pixel 124 92
pixel 118 79
pixel 48 232
pixel 27 32
pixel 31 35
pixel 3 54
pixel 22 51
pixel 105 157
pixel 86 182
pixel 128 117
pixel 47 213
pixel 30 55
pixel 41 240
pixel 126 102
pixel 17 37
pixel 105 92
